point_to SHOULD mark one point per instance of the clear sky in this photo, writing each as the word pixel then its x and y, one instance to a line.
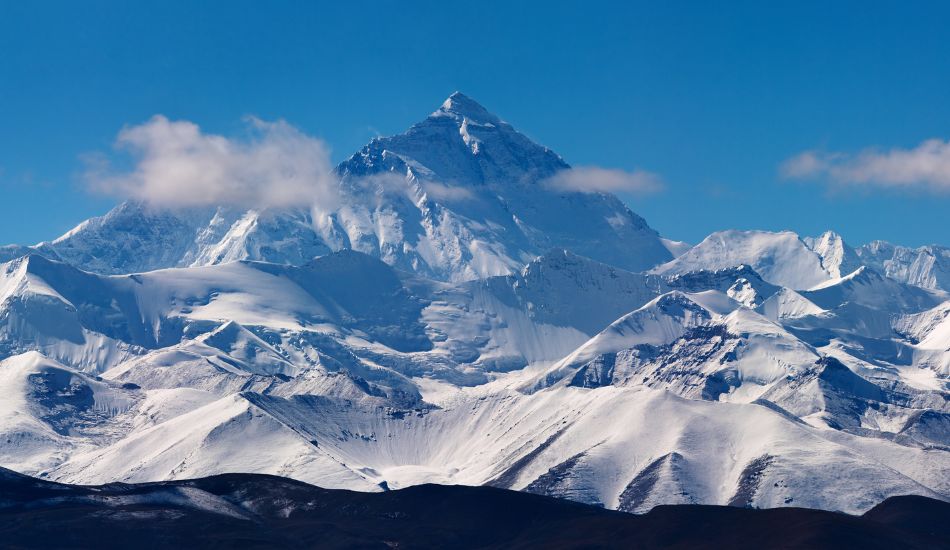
pixel 713 97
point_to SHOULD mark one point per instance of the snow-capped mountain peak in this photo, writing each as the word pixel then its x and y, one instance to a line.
pixel 458 196
pixel 837 257
pixel 926 266
pixel 461 143
pixel 781 258
pixel 460 105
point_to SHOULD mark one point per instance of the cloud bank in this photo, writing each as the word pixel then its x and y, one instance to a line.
pixel 592 179
pixel 925 167
pixel 175 164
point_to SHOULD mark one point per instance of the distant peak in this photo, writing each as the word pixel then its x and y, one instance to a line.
pixel 461 105
pixel 831 237
pixel 863 273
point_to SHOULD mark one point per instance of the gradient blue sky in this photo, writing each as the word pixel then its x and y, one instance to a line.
pixel 712 96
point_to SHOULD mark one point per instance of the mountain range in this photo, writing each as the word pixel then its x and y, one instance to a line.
pixel 456 319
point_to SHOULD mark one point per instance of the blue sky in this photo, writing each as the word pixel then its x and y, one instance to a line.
pixel 712 97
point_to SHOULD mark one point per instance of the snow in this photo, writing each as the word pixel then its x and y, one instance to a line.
pixel 608 427
pixel 780 258
pixel 869 288
pixel 788 304
pixel 927 266
pixel 676 248
pixel 208 440
pixel 837 257
pixel 453 320
pixel 338 419
pixel 659 322
pixel 490 216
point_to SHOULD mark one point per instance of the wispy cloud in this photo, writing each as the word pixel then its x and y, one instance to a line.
pixel 441 192
pixel 394 183
pixel 174 163
pixel 925 167
pixel 592 179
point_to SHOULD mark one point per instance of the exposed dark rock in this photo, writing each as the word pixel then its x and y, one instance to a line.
pixel 257 511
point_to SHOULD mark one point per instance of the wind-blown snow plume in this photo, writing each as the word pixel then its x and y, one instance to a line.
pixel 926 166
pixel 592 179
pixel 176 164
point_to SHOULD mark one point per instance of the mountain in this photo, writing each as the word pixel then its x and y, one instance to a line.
pixel 780 258
pixel 869 288
pixel 787 304
pixel 929 333
pixel 837 257
pixel 785 259
pixel 927 266
pixel 271 512
pixel 354 375
pixel 461 195
pixel 455 320
pixel 741 283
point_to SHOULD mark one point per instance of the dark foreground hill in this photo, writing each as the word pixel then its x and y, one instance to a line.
pixel 258 511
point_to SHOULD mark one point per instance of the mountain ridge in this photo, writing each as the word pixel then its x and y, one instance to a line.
pixel 253 510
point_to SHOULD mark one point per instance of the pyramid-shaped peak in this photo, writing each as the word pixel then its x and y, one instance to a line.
pixel 461 105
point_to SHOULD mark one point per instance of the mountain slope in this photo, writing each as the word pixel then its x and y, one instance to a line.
pixel 780 258
pixel 582 444
pixel 869 288
pixel 264 511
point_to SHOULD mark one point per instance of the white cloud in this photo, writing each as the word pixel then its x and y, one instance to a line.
pixel 926 166
pixel 591 179
pixel 175 164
